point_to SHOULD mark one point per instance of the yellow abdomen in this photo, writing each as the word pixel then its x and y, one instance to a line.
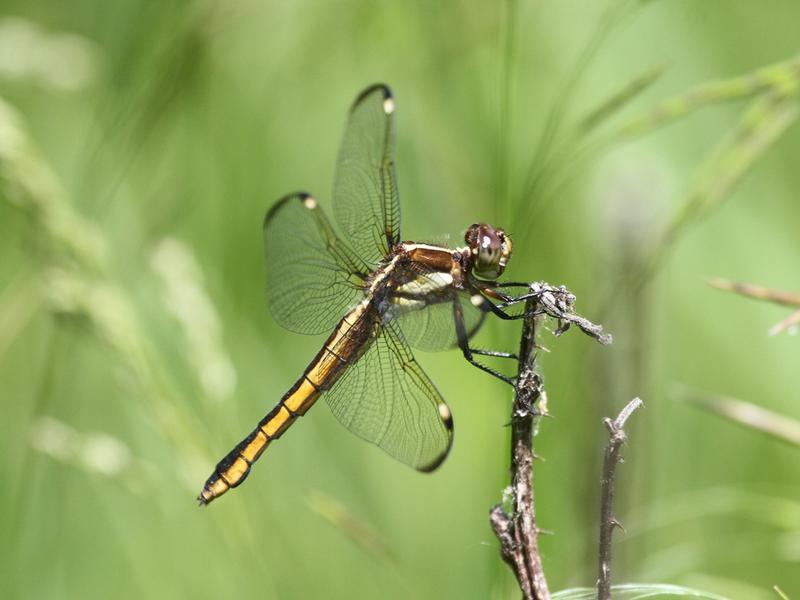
pixel 344 346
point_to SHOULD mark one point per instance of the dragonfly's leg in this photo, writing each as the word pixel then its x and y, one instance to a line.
pixel 484 311
pixel 463 343
pixel 517 299
pixel 490 293
pixel 481 299
pixel 498 311
pixel 494 353
pixel 493 289
pixel 511 284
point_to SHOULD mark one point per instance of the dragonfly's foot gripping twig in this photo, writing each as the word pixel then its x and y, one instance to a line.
pixel 559 303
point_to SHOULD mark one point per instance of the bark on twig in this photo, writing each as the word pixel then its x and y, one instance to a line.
pixel 608 521
pixel 517 532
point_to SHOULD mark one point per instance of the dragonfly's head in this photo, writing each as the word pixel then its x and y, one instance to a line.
pixel 489 248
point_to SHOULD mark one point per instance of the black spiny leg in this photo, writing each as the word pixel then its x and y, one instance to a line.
pixel 463 343
pixel 499 309
pixel 511 284
pixel 494 353
pixel 505 300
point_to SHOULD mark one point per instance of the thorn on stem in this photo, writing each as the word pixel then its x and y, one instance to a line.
pixel 618 525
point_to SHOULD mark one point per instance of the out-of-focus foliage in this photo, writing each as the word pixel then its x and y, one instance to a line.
pixel 633 591
pixel 141 143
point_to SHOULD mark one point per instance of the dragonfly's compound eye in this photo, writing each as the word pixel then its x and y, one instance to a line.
pixel 490 249
pixel 505 249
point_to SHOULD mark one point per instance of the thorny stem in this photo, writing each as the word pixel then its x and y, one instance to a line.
pixel 517 532
pixel 617 438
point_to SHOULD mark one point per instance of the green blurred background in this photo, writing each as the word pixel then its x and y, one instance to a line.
pixel 141 143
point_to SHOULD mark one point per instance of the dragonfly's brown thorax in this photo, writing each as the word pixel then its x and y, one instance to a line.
pixel 413 276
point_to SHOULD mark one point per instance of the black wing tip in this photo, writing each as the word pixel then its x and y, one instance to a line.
pixel 447 421
pixel 301 196
pixel 385 90
pixel 431 467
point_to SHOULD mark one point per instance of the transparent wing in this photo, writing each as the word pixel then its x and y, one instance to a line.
pixel 365 188
pixel 387 399
pixel 432 328
pixel 312 276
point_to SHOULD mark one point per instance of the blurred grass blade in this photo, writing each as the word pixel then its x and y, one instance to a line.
pixel 678 509
pixel 756 291
pixel 761 293
pixel 573 148
pixel 95 453
pixel 635 591
pixel 780 592
pixel 619 99
pixel 778 76
pixel 348 522
pixel 19 303
pixel 78 282
pixel 763 123
pixel 752 416
pixel 790 323
pixel 186 298
pixel 27 183
pixel 549 146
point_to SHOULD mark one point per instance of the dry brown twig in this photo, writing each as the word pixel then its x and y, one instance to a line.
pixel 517 531
pixel 608 522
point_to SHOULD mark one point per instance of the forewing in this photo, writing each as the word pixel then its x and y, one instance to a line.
pixel 387 399
pixel 312 276
pixel 365 188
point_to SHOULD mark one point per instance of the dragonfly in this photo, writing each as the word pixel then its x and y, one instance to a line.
pixel 377 297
